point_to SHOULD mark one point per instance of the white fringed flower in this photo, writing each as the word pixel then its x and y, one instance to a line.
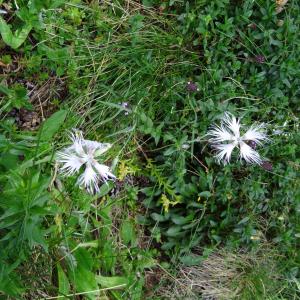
pixel 84 153
pixel 226 137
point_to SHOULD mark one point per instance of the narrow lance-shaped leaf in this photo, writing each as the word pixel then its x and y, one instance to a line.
pixel 51 125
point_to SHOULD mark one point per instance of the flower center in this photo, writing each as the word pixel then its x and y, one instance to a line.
pixel 237 140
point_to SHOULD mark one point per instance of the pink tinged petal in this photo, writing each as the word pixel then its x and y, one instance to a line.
pixel 89 180
pixel 248 154
pixel 224 152
pixel 232 123
pixel 256 134
pixel 104 172
pixel 70 163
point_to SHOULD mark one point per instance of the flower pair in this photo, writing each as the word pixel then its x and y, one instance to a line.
pixel 224 138
pixel 85 153
pixel 227 136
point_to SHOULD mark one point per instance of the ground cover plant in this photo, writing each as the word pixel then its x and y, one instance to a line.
pixel 151 212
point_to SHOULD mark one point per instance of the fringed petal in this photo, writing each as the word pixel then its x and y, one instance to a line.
pixel 248 154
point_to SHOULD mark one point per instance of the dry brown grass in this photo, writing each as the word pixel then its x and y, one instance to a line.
pixel 224 275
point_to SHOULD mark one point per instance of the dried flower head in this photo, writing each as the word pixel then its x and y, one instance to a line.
pixel 84 153
pixel 226 137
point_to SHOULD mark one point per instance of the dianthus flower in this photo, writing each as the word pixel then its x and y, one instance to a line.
pixel 84 154
pixel 227 136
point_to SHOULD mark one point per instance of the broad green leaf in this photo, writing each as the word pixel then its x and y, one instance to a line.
pixel 63 282
pixel 179 220
pixel 32 162
pixel 205 194
pixel 108 257
pixel 128 234
pixel 84 280
pixel 158 218
pixel 82 275
pixel 105 189
pixel 14 40
pixel 84 258
pixel 174 231
pixel 51 125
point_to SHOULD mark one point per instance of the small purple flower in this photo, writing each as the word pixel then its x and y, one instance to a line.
pixel 125 106
pixel 191 87
pixel 259 59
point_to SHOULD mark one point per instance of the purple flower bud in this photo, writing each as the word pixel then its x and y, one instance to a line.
pixel 259 59
pixel 266 165
pixel 191 87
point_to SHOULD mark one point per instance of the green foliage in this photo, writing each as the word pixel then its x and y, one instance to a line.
pixel 125 71
pixel 241 72
pixel 52 125
pixel 16 97
pixel 14 40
